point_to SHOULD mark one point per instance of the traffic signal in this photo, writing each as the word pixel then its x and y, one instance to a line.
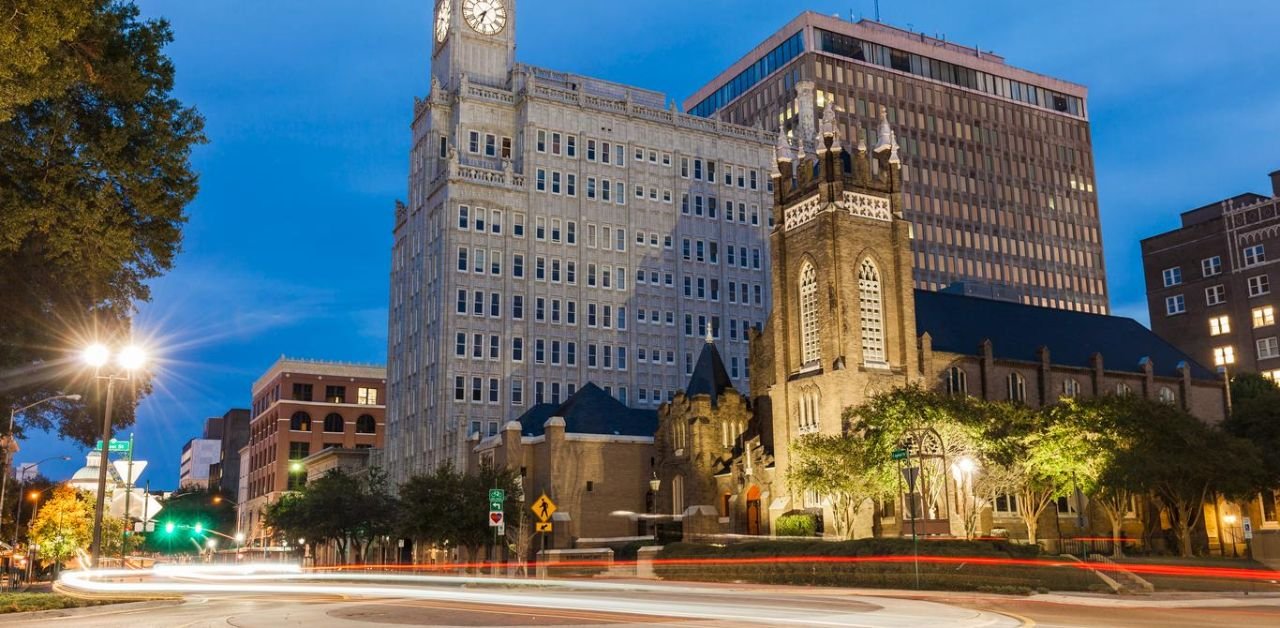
pixel 199 527
pixel 168 527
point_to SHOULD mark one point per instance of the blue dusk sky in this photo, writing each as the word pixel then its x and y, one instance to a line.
pixel 308 105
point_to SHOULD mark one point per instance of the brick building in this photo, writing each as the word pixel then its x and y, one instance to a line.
pixel 301 407
pixel 1209 282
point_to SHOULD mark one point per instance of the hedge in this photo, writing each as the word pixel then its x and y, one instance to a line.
pixel 942 565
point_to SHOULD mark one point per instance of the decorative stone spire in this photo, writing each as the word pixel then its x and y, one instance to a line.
pixel 783 151
pixel 885 140
pixel 893 152
pixel 862 141
pixel 711 339
pixel 828 129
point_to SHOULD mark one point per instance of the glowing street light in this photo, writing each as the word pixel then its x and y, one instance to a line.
pixel 128 359
pixel 239 537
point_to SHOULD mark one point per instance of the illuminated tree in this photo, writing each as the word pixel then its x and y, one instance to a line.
pixel 841 468
pixel 64 524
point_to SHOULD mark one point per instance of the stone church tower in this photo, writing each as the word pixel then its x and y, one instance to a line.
pixel 843 321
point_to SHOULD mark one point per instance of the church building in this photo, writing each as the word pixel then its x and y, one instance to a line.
pixel 846 324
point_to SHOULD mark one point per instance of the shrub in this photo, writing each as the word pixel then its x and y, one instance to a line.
pixel 797 523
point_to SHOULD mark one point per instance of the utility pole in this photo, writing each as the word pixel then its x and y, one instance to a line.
pixel 128 492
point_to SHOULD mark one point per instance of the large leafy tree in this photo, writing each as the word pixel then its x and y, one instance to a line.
pixel 446 507
pixel 1255 416
pixel 94 180
pixel 349 510
pixel 63 525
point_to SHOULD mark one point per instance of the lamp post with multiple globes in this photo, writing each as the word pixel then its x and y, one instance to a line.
pixel 126 361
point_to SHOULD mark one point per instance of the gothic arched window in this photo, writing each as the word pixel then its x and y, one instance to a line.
pixel 334 423
pixel 1167 395
pixel 300 422
pixel 872 314
pixel 808 410
pixel 1017 388
pixel 810 345
pixel 957 381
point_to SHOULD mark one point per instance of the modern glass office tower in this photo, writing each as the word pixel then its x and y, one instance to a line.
pixel 560 230
pixel 998 163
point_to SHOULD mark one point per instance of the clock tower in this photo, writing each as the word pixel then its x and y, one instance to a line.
pixel 473 37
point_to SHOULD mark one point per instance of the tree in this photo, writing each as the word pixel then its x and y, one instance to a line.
pixel 64 524
pixel 94 180
pixel 449 508
pixel 40 51
pixel 1255 416
pixel 346 509
pixel 843 468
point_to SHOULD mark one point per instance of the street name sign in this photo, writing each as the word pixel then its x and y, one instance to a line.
pixel 114 446
pixel 899 454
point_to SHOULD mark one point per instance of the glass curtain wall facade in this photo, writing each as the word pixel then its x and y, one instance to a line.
pixel 998 162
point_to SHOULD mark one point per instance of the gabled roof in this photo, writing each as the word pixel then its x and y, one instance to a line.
pixel 709 375
pixel 591 410
pixel 959 324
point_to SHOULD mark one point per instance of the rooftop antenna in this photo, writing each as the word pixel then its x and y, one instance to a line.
pixel 877 10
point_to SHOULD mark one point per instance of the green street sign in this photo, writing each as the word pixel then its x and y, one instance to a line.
pixel 497 495
pixel 899 454
pixel 114 447
pixel 495 506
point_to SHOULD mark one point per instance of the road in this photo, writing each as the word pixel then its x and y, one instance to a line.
pixel 251 600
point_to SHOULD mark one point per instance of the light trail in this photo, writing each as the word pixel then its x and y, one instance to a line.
pixel 550 595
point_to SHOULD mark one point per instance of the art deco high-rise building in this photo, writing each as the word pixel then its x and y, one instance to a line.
pixel 559 230
pixel 999 173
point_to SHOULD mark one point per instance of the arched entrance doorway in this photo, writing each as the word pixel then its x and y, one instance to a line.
pixel 753 510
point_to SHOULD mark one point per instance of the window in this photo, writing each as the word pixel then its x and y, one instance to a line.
pixel 517 349
pixel 1176 304
pixel 1123 390
pixel 517 392
pixel 1017 385
pixel 1268 348
pixel 517 225
pixel 1211 266
pixel 333 422
pixel 1215 295
pixel 1006 505
pixel 473 141
pixel 1259 286
pixel 1254 255
pixel 1172 276
pixel 365 424
pixel 1224 356
pixel 1264 316
pixel 367 396
pixel 464 214
pixel 1166 395
pixel 872 320
pixel 811 350
pixel 302 392
pixel 490 145
pixel 1273 376
pixel 1070 388
pixel 807 410
pixel 1219 325
pixel 300 422
pixel 335 394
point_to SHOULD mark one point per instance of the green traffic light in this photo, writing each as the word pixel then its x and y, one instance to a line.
pixel 168 527
pixel 199 528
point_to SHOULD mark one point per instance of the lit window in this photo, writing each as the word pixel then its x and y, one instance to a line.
pixel 957 381
pixel 1219 325
pixel 1172 276
pixel 367 396
pixel 1268 348
pixel 811 352
pixel 871 314
pixel 1123 390
pixel 1264 316
pixel 1272 375
pixel 1070 388
pixel 1166 395
pixel 1223 356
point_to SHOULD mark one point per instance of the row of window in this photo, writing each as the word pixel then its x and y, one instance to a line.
pixel 560 144
pixel 698 250
pixel 488 390
pixel 708 206
pixel 481 261
pixel 1212 266
pixel 1262 317
pixel 598 315
pixel 1267 348
pixel 1259 285
pixel 957 380
pixel 333 422
pixel 336 394
pixel 606 237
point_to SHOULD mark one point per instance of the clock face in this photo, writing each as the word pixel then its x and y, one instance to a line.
pixel 442 21
pixel 487 17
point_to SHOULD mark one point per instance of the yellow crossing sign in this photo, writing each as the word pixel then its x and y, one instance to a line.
pixel 543 508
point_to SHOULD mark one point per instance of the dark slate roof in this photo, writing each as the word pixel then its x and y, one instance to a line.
pixel 709 375
pixel 591 410
pixel 959 324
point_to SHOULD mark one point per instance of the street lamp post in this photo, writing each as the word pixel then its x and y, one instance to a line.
pixel 13 413
pixel 128 360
